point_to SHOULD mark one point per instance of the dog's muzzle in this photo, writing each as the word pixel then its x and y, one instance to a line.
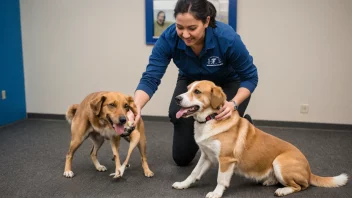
pixel 178 99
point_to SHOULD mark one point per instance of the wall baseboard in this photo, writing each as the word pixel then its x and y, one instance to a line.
pixel 46 116
pixel 268 123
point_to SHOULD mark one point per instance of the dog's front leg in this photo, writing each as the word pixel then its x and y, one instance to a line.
pixel 143 151
pixel 226 168
pixel 115 144
pixel 134 140
pixel 202 166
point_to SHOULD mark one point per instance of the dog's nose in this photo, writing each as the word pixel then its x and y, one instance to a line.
pixel 178 99
pixel 122 119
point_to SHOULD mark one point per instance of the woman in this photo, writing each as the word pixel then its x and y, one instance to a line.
pixel 202 49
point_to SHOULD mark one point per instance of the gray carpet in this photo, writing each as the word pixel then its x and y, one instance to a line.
pixel 33 156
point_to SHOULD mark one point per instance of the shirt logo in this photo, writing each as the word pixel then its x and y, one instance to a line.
pixel 214 61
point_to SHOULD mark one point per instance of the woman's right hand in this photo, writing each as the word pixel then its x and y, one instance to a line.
pixel 138 115
pixel 140 99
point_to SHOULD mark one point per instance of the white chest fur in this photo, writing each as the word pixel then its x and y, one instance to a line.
pixel 202 135
pixel 211 148
pixel 207 130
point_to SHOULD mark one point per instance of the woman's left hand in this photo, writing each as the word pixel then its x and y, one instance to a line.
pixel 225 111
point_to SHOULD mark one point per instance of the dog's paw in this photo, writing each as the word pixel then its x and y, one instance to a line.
pixel 148 173
pixel 116 176
pixel 101 168
pixel 122 170
pixel 119 172
pixel 69 174
pixel 283 191
pixel 213 195
pixel 180 185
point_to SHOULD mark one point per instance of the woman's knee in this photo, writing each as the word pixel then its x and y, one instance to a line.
pixel 183 159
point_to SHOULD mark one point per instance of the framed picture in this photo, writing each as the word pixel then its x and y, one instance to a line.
pixel 160 14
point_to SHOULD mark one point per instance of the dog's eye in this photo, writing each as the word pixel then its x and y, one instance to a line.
pixel 197 91
pixel 127 106
pixel 112 105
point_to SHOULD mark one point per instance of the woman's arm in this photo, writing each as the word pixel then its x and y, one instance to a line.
pixel 242 94
pixel 151 78
pixel 242 62
pixel 140 100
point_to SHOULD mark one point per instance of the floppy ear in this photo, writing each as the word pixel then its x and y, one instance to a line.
pixel 132 105
pixel 96 104
pixel 218 97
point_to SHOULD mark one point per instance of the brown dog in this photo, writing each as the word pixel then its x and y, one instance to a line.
pixel 105 115
pixel 238 147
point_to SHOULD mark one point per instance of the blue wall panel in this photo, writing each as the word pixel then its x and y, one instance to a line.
pixel 13 108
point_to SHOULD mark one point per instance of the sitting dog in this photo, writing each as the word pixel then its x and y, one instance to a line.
pixel 106 115
pixel 238 147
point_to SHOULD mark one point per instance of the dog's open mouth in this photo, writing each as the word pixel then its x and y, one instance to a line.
pixel 119 128
pixel 186 111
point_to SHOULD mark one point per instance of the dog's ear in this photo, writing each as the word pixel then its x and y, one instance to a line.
pixel 96 104
pixel 218 97
pixel 132 104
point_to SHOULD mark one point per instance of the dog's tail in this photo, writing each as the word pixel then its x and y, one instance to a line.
pixel 328 182
pixel 71 111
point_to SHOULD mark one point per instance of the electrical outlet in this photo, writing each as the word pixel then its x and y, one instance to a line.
pixel 304 108
pixel 3 94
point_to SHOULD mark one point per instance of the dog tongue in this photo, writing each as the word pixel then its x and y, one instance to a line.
pixel 180 113
pixel 119 128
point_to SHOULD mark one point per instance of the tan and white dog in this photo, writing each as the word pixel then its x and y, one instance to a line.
pixel 239 147
pixel 105 115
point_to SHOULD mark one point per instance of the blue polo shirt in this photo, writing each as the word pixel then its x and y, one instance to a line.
pixel 224 58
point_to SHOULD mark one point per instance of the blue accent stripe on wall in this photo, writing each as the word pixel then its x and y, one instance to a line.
pixel 13 108
pixel 233 14
pixel 149 17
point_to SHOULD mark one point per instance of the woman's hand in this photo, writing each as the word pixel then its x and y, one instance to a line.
pixel 225 111
pixel 140 99
pixel 138 115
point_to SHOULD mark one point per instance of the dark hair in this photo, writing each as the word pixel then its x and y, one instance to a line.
pixel 200 9
pixel 160 13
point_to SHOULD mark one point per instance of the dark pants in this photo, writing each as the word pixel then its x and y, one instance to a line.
pixel 184 147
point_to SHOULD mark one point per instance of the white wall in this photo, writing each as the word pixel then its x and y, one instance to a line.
pixel 302 49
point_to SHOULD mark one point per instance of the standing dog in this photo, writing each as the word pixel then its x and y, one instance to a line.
pixel 105 115
pixel 238 147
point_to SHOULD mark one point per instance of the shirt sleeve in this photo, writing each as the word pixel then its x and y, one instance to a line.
pixel 242 63
pixel 158 62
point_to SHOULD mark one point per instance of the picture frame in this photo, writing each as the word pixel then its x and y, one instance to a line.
pixel 153 9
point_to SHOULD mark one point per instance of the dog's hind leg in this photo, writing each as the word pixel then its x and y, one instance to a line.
pixel 78 136
pixel 97 140
pixel 291 172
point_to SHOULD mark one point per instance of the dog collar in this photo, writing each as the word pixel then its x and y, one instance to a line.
pixel 209 117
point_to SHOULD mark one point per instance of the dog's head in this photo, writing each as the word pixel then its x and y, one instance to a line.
pixel 114 109
pixel 202 99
